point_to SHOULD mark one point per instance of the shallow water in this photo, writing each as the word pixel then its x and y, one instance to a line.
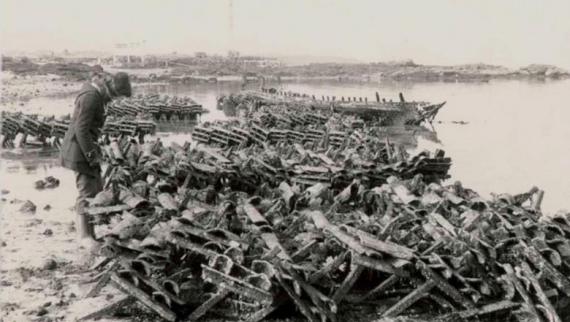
pixel 517 136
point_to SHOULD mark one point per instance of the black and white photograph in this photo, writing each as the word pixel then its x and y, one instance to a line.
pixel 285 160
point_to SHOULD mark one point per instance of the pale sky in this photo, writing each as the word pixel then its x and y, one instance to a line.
pixel 506 32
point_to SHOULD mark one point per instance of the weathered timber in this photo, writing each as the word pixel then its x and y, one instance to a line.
pixel 144 298
pixel 410 299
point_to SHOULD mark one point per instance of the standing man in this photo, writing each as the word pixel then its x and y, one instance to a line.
pixel 80 151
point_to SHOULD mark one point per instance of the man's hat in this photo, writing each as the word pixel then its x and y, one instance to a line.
pixel 96 70
pixel 121 84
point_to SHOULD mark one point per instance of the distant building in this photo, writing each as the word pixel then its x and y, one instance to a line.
pixel 232 54
pixel 134 54
pixel 262 62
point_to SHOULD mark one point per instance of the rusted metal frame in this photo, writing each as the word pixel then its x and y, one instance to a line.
pixel 235 285
pixel 347 193
pixel 361 254
pixel 280 299
pixel 547 269
pixel 130 289
pixel 512 278
pixel 108 309
pixel 303 307
pixel 208 304
pixel 440 300
pixel 271 169
pixel 151 284
pixel 440 220
pixel 443 285
pixel 325 305
pixel 322 222
pixel 288 195
pixel 205 234
pixel 100 263
pixel 383 286
pixel 355 272
pixel 268 235
pixel 176 240
pixel 103 280
pixel 386 266
pixel 167 201
pixel 107 210
pixel 476 312
pixel 371 241
pixel 294 227
pixel 547 307
pixel 233 308
pixel 410 299
pixel 303 251
pixel 213 154
pixel 329 267
pixel 456 274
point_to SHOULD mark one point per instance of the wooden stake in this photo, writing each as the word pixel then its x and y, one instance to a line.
pixel 144 298
pixel 108 309
pixel 409 299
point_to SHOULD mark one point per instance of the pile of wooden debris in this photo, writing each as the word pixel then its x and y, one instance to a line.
pixel 249 230
pixel 49 131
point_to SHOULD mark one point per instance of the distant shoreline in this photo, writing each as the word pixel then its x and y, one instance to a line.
pixel 190 69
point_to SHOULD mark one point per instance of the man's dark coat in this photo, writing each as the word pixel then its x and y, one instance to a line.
pixel 80 142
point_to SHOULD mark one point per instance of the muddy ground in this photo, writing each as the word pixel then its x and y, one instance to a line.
pixel 16 90
pixel 41 268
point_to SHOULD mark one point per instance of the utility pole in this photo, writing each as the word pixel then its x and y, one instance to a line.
pixel 230 25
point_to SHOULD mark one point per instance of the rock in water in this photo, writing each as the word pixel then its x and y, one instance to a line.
pixel 40 185
pixel 42 311
pixel 51 182
pixel 28 207
pixel 47 183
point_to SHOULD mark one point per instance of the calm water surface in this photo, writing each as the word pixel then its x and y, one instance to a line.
pixel 517 136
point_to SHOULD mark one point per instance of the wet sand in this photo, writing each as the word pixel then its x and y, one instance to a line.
pixel 39 274
pixel 16 90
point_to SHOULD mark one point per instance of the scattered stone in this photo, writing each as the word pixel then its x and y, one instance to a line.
pixel 28 207
pixel 3 244
pixel 9 307
pixel 47 207
pixel 25 273
pixel 57 285
pixel 47 304
pixel 48 232
pixel 33 223
pixel 47 183
pixel 42 311
pixel 50 264
pixel 5 191
pixel 40 184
